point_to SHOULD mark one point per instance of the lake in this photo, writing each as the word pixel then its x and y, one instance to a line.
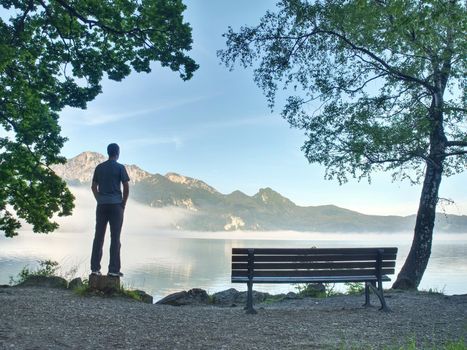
pixel 164 262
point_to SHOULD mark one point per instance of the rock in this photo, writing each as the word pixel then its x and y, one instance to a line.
pixel 44 281
pixel 195 296
pixel 106 284
pixel 75 283
pixel 232 297
pixel 227 297
pixel 145 297
pixel 292 295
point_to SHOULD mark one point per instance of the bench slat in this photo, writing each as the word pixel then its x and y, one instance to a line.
pixel 317 279
pixel 317 265
pixel 300 251
pixel 298 258
pixel 306 273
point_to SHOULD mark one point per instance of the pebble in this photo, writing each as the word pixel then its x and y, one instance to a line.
pixel 57 319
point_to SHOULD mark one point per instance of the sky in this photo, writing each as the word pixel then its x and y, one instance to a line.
pixel 217 127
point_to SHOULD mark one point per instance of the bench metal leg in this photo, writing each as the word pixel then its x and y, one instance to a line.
pixel 367 295
pixel 249 302
pixel 379 293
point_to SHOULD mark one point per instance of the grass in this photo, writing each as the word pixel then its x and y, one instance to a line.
pixel 211 299
pixel 273 299
pixel 85 290
pixel 129 293
pixel 49 268
pixel 435 291
pixel 412 344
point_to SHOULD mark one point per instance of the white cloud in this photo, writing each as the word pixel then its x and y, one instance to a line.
pixel 148 141
pixel 238 122
pixel 96 116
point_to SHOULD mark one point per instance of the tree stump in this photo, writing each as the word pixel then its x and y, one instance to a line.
pixel 106 284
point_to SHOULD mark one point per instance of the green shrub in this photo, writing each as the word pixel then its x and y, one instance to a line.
pixel 46 268
pixel 309 290
pixel 354 288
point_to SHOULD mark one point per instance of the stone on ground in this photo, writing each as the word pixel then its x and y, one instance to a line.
pixel 106 284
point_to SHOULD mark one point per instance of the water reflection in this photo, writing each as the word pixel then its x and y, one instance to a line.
pixel 164 262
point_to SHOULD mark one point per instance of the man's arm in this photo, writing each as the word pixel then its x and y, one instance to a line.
pixel 126 192
pixel 94 189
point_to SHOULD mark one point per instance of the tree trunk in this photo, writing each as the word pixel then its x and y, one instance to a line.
pixel 411 273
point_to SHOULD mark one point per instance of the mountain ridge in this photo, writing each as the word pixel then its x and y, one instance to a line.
pixel 265 210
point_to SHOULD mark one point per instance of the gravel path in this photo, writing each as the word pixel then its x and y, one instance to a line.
pixel 43 318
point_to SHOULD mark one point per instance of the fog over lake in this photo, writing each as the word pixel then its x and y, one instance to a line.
pixel 161 261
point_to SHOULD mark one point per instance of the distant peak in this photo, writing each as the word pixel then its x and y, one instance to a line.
pixel 172 174
pixel 79 168
pixel 89 155
pixel 237 194
pixel 189 181
pixel 269 196
pixel 267 190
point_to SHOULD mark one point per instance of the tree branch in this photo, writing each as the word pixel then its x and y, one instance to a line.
pixel 24 16
pixel 373 160
pixel 459 153
pixel 457 109
pixel 390 69
pixel 456 144
pixel 350 91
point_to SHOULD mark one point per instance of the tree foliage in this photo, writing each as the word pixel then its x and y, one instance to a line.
pixel 375 84
pixel 55 53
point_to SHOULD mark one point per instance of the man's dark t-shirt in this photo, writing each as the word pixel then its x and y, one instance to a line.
pixel 108 176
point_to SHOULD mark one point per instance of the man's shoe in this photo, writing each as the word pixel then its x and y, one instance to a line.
pixel 97 273
pixel 115 274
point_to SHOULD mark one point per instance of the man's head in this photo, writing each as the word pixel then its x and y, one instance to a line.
pixel 113 150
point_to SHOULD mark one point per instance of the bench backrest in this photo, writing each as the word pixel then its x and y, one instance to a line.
pixel 310 262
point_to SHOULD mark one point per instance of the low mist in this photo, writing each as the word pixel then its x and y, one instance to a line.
pixel 138 217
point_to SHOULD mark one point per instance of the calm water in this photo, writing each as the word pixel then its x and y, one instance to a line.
pixel 164 262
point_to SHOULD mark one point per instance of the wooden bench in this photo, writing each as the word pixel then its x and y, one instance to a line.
pixel 314 265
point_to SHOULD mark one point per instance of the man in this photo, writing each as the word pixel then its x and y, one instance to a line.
pixel 108 176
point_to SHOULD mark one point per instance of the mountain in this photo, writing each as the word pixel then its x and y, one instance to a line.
pixel 266 210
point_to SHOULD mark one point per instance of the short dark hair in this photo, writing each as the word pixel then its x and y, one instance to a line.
pixel 113 150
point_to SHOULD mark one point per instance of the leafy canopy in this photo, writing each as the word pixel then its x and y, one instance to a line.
pixel 361 77
pixel 54 53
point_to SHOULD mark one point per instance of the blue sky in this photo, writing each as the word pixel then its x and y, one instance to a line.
pixel 217 127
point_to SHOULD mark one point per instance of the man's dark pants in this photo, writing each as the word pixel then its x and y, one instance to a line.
pixel 112 214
